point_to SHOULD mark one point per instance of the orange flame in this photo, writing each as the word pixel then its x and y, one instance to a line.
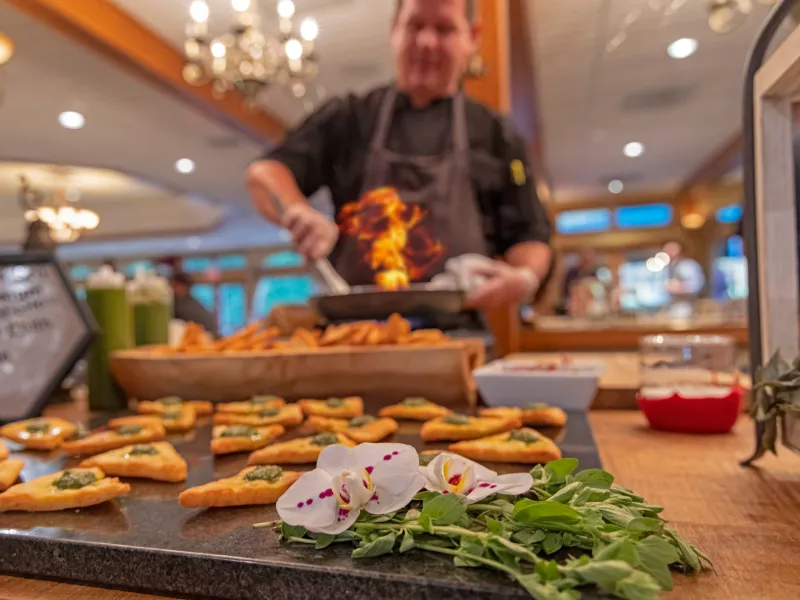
pixel 387 230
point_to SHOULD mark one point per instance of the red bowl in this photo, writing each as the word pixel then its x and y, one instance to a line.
pixel 693 415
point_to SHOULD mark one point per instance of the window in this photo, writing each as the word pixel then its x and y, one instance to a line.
pixel 730 214
pixel 130 270
pixel 196 265
pixel 232 314
pixel 735 246
pixel 287 258
pixel 232 262
pixel 583 221
pixel 643 216
pixel 204 294
pixel 641 288
pixel 292 289
pixel 80 272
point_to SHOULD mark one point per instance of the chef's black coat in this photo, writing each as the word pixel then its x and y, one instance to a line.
pixel 330 149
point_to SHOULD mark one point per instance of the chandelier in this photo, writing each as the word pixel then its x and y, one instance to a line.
pixel 245 58
pixel 61 212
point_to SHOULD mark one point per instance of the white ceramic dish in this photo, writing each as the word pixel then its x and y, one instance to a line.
pixel 506 383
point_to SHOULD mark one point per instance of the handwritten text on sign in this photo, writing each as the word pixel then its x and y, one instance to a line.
pixel 39 329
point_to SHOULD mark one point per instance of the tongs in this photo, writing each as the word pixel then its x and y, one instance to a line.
pixel 321 269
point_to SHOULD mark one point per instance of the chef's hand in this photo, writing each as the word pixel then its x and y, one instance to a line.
pixel 313 233
pixel 504 285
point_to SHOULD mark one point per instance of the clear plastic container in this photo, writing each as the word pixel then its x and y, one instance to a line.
pixel 150 297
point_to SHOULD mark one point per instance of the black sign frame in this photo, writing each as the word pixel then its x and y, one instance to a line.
pixel 59 374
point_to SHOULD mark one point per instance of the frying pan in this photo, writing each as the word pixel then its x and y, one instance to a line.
pixel 369 302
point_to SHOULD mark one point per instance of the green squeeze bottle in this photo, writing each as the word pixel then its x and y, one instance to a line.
pixel 108 301
pixel 150 297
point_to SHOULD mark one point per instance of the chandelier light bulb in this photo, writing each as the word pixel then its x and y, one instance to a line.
pixel 309 29
pixel 199 12
pixel 240 5
pixel 71 120
pixel 293 49
pixel 6 48
pixel 184 166
pixel 218 50
pixel 286 9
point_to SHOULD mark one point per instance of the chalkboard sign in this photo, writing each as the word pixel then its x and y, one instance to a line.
pixel 43 332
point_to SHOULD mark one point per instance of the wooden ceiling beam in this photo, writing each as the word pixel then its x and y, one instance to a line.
pixel 114 34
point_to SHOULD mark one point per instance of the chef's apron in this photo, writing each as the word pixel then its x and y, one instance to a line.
pixel 438 184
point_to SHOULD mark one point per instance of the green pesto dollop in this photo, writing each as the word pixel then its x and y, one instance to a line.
pixel 143 450
pixel 39 426
pixel 171 401
pixel 74 480
pixel 324 439
pixel 171 415
pixel 357 422
pixel 269 412
pixel 414 402
pixel 269 473
pixel 523 435
pixel 129 430
pixel 537 406
pixel 456 419
pixel 235 431
pixel 334 403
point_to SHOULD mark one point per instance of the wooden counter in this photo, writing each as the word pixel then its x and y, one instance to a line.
pixel 747 520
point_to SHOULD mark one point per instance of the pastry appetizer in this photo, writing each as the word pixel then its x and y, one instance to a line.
pixel 124 435
pixel 338 408
pixel 539 414
pixel 44 433
pixel 455 427
pixel 170 404
pixel 158 461
pixel 414 409
pixel 299 451
pixel 518 446
pixel 288 416
pixel 228 439
pixel 503 412
pixel 10 468
pixel 3 451
pixel 73 488
pixel 179 420
pixel 367 428
pixel 318 424
pixel 254 485
pixel 253 406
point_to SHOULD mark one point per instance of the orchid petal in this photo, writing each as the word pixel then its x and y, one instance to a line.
pixel 378 506
pixel 309 501
pixel 343 520
pixel 334 459
pixel 515 483
pixel 356 488
pixel 391 467
pixel 483 490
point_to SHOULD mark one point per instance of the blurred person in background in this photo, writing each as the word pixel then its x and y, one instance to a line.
pixel 585 267
pixel 685 278
pixel 187 308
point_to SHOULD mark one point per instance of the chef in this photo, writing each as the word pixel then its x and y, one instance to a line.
pixel 441 176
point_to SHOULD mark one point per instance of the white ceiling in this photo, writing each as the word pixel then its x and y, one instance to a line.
pixel 584 89
pixel 353 44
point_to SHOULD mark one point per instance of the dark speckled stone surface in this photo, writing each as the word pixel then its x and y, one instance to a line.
pixel 148 542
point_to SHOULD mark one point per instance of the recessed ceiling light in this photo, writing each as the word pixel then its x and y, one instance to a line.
pixel 71 120
pixel 633 149
pixel 184 165
pixel 615 186
pixel 682 48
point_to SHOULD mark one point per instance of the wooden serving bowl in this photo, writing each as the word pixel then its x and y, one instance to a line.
pixel 442 373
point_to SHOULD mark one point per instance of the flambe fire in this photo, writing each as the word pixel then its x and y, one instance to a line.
pixel 397 248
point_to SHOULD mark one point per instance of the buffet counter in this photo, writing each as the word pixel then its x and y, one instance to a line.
pixel 745 518
pixel 566 334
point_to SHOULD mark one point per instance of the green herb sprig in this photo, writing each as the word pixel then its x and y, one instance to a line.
pixel 617 542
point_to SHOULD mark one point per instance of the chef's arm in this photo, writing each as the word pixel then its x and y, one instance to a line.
pixel 267 178
pixel 536 256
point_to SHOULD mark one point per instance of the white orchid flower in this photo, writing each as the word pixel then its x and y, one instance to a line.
pixel 380 478
pixel 453 474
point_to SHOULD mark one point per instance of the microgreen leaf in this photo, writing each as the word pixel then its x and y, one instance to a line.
pixel 324 540
pixel 407 542
pixel 530 512
pixel 378 547
pixel 295 531
pixel 559 469
pixel 553 542
pixel 566 493
pixel 595 478
pixel 646 525
pixel 445 509
pixel 495 526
